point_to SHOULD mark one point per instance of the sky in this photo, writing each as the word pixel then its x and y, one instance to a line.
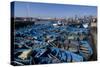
pixel 33 9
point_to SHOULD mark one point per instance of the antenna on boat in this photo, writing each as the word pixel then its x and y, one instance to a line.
pixel 28 10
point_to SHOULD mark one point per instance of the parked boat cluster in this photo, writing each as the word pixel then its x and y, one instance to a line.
pixel 51 43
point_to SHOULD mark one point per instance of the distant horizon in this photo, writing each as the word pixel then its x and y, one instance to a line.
pixel 57 17
pixel 49 10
